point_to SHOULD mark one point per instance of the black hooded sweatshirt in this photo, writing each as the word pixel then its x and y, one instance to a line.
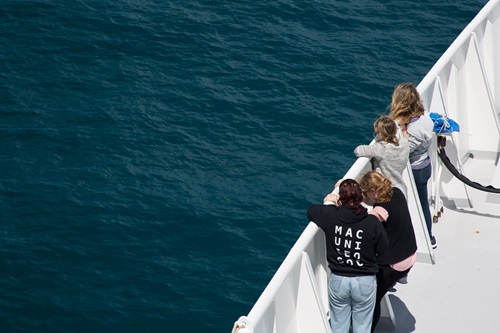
pixel 353 242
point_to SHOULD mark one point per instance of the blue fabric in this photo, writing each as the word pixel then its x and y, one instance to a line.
pixel 443 124
pixel 352 297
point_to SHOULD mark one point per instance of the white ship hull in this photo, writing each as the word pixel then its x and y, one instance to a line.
pixel 452 288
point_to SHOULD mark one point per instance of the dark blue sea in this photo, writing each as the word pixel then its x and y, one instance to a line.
pixel 157 157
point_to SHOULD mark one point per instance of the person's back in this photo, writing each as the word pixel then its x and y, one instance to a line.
pixel 399 229
pixel 390 154
pixel 420 134
pixel 391 208
pixel 354 239
pixel 408 110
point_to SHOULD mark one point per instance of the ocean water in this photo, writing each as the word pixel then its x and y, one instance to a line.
pixel 157 157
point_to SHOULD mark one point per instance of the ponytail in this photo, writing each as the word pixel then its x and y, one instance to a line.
pixel 377 183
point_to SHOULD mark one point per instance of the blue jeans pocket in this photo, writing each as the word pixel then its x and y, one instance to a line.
pixel 339 286
pixel 367 285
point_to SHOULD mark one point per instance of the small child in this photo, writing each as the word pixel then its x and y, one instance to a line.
pixel 390 154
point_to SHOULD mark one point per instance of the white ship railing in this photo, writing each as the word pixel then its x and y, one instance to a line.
pixel 464 85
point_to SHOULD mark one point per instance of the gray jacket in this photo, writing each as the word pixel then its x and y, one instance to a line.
pixel 420 133
pixel 389 159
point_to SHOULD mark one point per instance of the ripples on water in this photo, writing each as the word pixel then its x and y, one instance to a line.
pixel 158 157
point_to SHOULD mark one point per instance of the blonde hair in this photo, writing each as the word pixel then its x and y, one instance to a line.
pixel 376 182
pixel 406 103
pixel 386 129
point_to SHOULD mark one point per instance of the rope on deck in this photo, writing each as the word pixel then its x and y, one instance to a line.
pixel 446 161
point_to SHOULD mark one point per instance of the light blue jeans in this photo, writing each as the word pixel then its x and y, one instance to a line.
pixel 352 300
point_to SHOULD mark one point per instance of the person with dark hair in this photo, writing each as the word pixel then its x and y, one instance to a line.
pixel 390 207
pixel 354 240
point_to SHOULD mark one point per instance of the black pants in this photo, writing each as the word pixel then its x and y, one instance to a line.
pixel 386 278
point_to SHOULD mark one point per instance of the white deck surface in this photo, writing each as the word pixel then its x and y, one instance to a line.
pixel 461 291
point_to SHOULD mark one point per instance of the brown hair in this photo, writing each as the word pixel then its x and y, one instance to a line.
pixel 386 129
pixel 406 104
pixel 350 194
pixel 376 182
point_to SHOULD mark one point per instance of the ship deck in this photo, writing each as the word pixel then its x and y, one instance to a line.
pixel 461 291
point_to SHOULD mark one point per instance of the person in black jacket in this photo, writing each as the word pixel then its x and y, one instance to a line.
pixel 354 240
pixel 390 207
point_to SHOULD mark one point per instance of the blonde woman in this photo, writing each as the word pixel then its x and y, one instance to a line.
pixel 390 207
pixel 408 111
pixel 389 154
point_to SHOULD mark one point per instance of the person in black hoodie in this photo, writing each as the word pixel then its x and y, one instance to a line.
pixel 390 207
pixel 354 240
